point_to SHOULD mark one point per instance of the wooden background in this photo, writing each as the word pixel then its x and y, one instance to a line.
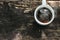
pixel 28 29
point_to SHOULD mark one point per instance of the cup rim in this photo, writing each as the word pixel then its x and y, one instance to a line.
pixel 44 6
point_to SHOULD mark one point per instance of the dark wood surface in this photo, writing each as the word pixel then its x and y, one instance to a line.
pixel 22 26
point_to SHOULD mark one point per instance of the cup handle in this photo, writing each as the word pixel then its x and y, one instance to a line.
pixel 44 2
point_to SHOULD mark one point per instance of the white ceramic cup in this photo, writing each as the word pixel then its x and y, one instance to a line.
pixel 44 5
